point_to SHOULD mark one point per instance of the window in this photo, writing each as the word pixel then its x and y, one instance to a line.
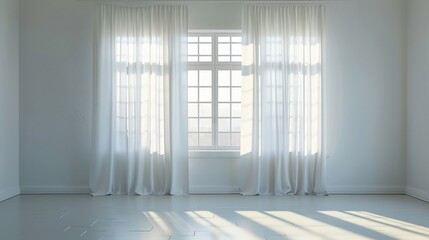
pixel 214 91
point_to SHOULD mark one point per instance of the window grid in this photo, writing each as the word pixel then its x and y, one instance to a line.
pixel 233 66
pixel 199 117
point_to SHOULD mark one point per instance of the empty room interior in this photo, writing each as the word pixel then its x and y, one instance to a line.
pixel 214 119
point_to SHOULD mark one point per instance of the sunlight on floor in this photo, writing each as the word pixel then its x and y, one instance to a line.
pixel 214 217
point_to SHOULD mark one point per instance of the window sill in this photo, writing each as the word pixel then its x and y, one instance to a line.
pixel 214 153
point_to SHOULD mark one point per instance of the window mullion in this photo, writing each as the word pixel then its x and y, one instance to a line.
pixel 215 100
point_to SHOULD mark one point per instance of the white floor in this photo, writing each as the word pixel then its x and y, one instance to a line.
pixel 64 217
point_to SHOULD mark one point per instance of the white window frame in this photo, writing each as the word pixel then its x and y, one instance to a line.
pixel 214 66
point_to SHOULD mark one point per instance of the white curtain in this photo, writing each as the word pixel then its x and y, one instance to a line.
pixel 282 143
pixel 140 96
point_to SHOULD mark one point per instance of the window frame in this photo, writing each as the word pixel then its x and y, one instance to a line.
pixel 215 66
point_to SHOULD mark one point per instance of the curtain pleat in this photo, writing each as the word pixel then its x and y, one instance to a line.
pixel 282 144
pixel 140 96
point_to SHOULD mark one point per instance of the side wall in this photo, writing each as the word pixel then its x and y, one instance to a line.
pixel 365 98
pixel 418 99
pixel 9 98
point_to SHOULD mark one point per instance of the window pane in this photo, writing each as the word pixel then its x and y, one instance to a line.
pixel 206 125
pixel 193 125
pixel 192 59
pixel 193 139
pixel 235 125
pixel 236 94
pixel 223 39
pixel 205 139
pixel 193 109
pixel 224 94
pixel 224 49
pixel 192 94
pixel 205 94
pixel 224 59
pixel 192 49
pixel 224 78
pixel 206 39
pixel 205 59
pixel 236 49
pixel 224 110
pixel 206 49
pixel 192 39
pixel 236 58
pixel 224 139
pixel 224 125
pixel 192 78
pixel 205 78
pixel 205 109
pixel 236 39
pixel 236 109
pixel 236 78
pixel 235 139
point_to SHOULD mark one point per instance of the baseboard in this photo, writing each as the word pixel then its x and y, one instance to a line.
pixel 9 193
pixel 333 190
pixel 413 192
pixel 54 190
pixel 214 189
pixel 366 190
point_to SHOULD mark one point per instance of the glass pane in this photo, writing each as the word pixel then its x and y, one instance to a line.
pixel 224 110
pixel 236 49
pixel 193 125
pixel 193 139
pixel 223 39
pixel 193 78
pixel 236 59
pixel 224 125
pixel 206 125
pixel 205 109
pixel 235 139
pixel 236 122
pixel 192 109
pixel 224 59
pixel 205 139
pixel 224 49
pixel 206 39
pixel 192 94
pixel 192 49
pixel 236 78
pixel 236 39
pixel 236 109
pixel 205 94
pixel 236 94
pixel 192 39
pixel 205 78
pixel 205 58
pixel 224 94
pixel 206 49
pixel 192 59
pixel 223 139
pixel 223 78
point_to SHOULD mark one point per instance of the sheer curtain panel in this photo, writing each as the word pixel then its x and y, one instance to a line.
pixel 282 142
pixel 140 96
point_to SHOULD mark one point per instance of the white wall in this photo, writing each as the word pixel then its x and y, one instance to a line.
pixel 55 94
pixel 364 80
pixel 418 98
pixel 365 96
pixel 9 98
